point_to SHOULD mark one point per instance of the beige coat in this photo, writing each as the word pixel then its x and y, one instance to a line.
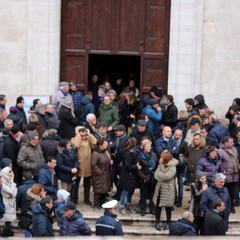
pixel 165 187
pixel 84 152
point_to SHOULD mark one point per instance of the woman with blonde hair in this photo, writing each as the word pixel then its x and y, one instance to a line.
pixel 164 194
pixel 146 158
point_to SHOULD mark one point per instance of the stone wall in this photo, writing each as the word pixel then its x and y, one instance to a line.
pixel 30 45
pixel 204 52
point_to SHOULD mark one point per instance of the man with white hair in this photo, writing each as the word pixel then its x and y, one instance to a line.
pixel 61 95
pixel 217 191
pixel 184 226
pixel 91 122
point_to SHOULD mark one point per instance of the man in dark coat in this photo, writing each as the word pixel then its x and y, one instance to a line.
pixel 68 121
pixel 27 183
pixel 87 106
pixel 118 142
pixel 170 115
pixel 11 149
pixel 47 177
pixel 108 224
pixel 20 111
pixel 184 226
pixel 166 143
pixel 217 191
pixel 217 130
pixel 213 222
pixel 76 96
pixel 42 218
pixel 140 131
pixel 40 110
pixel 73 223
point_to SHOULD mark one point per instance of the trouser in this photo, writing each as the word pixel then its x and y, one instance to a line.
pixel 236 194
pixel 231 186
pixel 180 176
pixel 7 232
pixel 126 194
pixel 117 170
pixel 86 186
pixel 199 221
pixel 146 192
pixel 98 199
pixel 168 211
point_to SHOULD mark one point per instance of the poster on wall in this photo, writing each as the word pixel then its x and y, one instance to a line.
pixel 28 101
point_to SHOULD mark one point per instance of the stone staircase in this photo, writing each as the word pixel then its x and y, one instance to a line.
pixel 135 225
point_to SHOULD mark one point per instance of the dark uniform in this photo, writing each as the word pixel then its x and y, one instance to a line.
pixel 108 225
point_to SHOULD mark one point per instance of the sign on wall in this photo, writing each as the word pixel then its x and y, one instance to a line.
pixel 28 101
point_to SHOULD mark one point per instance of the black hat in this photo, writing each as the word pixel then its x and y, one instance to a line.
pixel 152 102
pixel 120 127
pixel 142 123
pixel 20 100
pixel 194 121
pixel 15 129
pixel 69 206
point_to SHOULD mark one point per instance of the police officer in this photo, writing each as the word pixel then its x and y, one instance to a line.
pixel 108 224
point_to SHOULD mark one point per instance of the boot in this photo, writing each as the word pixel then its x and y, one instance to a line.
pixel 169 215
pixel 157 218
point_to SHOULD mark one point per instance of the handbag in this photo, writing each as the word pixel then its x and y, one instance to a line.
pixel 25 220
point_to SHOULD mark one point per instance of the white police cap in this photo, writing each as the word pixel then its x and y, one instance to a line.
pixel 110 204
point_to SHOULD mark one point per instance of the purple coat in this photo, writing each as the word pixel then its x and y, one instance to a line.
pixel 230 164
pixel 210 167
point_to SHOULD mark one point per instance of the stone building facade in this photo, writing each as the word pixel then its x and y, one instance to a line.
pixel 203 51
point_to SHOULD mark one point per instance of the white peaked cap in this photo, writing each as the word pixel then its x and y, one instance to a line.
pixel 110 204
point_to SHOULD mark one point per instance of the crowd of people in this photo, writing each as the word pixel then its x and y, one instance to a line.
pixel 110 137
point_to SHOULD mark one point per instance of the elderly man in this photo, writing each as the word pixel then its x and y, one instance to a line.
pixel 61 95
pixel 184 226
pixel 194 123
pixel 217 191
pixel 50 117
pixel 108 113
pixel 30 156
pixel 108 224
pixel 230 164
pixel 73 223
pixel 91 122
pixel 40 110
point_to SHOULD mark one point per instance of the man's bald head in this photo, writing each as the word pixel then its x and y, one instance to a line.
pixel 167 132
pixel 188 215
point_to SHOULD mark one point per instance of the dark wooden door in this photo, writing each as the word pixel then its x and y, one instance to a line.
pixel 119 27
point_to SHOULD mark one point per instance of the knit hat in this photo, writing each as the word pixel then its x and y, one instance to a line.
pixel 194 121
pixel 120 127
pixel 69 206
pixel 20 100
pixel 211 149
pixel 200 174
pixel 5 162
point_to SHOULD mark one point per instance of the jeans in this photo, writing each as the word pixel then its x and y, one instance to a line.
pixel 180 176
pixel 126 193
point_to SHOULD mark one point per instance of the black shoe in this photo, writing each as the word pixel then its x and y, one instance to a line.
pixel 233 211
pixel 87 202
pixel 157 226
pixel 142 213
pixel 153 212
pixel 187 189
pixel 166 227
pixel 179 204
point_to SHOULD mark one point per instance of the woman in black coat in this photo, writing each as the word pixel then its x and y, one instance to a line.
pixel 67 165
pixel 128 175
